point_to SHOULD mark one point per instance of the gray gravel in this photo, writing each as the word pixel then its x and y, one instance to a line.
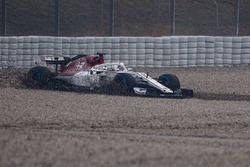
pixel 53 128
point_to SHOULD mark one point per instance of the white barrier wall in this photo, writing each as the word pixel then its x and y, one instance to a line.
pixel 174 51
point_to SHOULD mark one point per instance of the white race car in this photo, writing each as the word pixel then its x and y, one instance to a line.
pixel 89 72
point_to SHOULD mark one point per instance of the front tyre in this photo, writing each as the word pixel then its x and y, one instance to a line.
pixel 169 80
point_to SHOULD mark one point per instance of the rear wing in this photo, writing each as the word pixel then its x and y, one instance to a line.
pixel 61 60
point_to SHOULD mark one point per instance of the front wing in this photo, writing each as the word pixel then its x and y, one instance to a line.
pixel 152 92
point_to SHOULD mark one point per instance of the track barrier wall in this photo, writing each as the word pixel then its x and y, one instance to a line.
pixel 170 51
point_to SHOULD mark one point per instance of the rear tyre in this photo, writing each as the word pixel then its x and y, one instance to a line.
pixel 171 81
pixel 39 76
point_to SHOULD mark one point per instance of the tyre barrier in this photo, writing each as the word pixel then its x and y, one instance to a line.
pixel 169 51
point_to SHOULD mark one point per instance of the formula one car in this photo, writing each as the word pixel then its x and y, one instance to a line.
pixel 89 72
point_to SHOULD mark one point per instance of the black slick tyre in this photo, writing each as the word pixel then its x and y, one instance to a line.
pixel 169 80
pixel 39 75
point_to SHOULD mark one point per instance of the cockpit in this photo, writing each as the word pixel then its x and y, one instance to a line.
pixel 108 67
